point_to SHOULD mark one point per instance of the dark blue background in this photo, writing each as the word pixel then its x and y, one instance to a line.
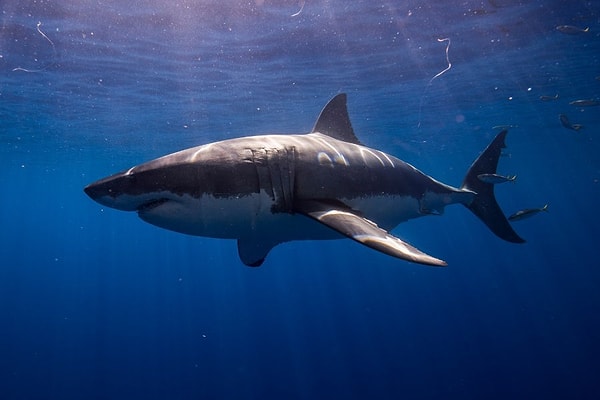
pixel 96 304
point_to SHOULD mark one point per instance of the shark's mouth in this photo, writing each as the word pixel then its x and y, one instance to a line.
pixel 151 205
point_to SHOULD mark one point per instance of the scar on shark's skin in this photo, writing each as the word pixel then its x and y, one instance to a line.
pixel 269 189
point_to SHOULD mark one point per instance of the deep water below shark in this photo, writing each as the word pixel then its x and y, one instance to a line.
pixel 96 304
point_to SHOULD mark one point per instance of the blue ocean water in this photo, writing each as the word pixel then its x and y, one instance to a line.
pixel 96 304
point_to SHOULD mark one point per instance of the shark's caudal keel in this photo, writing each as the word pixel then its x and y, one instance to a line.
pixel 269 189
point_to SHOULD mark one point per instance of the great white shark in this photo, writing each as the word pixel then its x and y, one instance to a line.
pixel 269 189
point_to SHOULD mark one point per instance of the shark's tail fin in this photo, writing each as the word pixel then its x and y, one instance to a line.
pixel 484 204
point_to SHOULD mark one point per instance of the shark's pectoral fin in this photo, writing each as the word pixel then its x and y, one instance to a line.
pixel 253 251
pixel 347 222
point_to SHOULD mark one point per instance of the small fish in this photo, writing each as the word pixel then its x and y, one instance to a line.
pixel 479 11
pixel 564 120
pixel 494 179
pixel 585 103
pixel 549 98
pixel 572 30
pixel 526 213
pixel 504 127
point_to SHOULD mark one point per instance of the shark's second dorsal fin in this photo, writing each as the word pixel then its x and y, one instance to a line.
pixel 335 122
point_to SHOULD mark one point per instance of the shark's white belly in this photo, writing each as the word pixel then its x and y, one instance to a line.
pixel 246 216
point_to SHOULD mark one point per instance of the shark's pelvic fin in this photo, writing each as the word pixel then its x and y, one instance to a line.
pixel 484 204
pixel 253 251
pixel 335 122
pixel 347 222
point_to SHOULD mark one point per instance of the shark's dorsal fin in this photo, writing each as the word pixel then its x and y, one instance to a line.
pixel 347 222
pixel 335 122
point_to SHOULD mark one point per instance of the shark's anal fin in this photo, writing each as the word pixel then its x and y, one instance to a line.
pixel 347 222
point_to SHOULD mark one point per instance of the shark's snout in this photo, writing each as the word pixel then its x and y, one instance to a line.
pixel 110 186
pixel 95 191
pixel 114 191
